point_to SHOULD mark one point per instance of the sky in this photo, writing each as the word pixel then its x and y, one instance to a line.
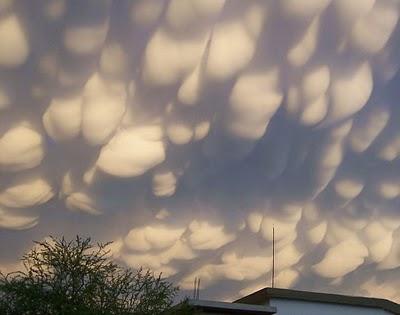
pixel 186 130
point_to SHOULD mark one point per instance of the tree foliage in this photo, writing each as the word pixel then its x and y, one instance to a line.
pixel 78 277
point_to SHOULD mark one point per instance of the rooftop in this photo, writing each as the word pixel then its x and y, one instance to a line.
pixel 264 295
pixel 232 308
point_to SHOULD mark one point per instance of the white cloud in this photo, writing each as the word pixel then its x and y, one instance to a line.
pixel 334 265
pixel 205 236
pixel 152 237
pixel 14 41
pixel 132 152
pixel 21 148
pixel 27 191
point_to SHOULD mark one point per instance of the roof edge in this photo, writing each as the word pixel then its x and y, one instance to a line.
pixel 233 308
pixel 265 294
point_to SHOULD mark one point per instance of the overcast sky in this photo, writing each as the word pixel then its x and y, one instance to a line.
pixel 184 130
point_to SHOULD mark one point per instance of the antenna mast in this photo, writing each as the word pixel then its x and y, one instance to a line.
pixel 273 257
pixel 196 289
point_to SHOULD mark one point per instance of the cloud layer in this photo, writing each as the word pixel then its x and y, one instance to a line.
pixel 187 130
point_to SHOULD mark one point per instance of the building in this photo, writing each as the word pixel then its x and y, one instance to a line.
pixel 225 308
pixel 293 302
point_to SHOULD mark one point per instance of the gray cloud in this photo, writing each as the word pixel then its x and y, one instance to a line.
pixel 186 130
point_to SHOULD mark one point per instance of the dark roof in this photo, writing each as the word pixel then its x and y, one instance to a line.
pixel 265 294
pixel 232 308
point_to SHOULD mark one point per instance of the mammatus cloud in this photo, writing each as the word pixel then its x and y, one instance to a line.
pixel 187 130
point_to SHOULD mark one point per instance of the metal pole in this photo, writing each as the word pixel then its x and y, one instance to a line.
pixel 273 257
pixel 194 288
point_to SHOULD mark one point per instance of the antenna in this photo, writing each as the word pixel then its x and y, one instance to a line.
pixel 273 257
pixel 196 289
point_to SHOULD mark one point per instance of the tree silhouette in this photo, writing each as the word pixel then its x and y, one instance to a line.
pixel 79 277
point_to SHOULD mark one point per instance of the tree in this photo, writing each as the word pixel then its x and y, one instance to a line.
pixel 79 277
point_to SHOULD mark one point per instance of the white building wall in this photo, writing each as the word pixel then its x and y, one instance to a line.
pixel 293 307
